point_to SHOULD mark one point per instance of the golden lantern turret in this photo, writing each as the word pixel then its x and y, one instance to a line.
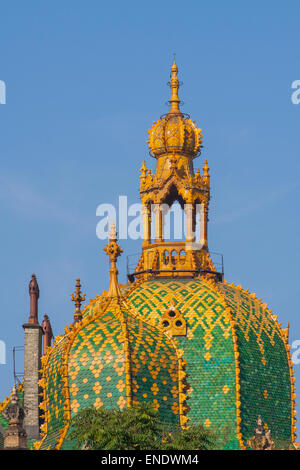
pixel 175 141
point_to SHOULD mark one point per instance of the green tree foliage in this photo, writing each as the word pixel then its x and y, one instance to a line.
pixel 193 438
pixel 135 428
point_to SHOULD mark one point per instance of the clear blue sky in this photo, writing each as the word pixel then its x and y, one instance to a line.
pixel 84 82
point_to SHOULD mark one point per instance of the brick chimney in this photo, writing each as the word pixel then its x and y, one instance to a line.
pixel 32 363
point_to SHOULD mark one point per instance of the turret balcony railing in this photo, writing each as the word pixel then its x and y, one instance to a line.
pixel 175 258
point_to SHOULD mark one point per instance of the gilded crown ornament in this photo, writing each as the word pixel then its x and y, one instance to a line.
pixel 78 298
pixel 175 132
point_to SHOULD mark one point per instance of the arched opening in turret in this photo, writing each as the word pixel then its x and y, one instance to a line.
pixel 175 219
pixel 173 196
pixel 182 256
pixel 173 215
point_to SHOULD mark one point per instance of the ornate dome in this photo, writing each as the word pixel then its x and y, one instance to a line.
pixel 230 366
pixel 175 132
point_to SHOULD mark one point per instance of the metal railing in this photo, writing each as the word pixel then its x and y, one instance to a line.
pixel 18 375
pixel 217 259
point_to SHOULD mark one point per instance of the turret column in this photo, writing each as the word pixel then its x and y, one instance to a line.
pixel 158 223
pixel 189 212
pixel 146 224
pixel 203 224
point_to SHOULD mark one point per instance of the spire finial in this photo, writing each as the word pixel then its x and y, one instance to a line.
pixel 77 297
pixel 174 85
pixel 113 250
pixel 113 232
pixel 14 395
pixel 206 176
pixel 143 170
pixel 206 168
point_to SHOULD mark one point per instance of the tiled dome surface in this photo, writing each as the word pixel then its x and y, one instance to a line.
pixel 237 362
